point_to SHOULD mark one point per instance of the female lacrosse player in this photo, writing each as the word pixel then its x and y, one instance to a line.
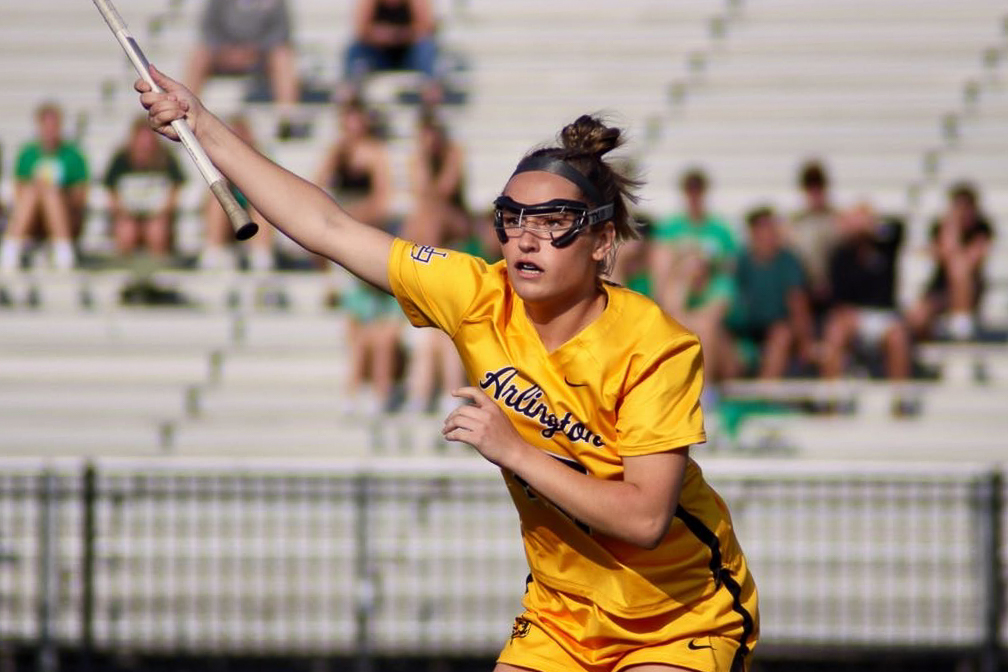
pixel 585 394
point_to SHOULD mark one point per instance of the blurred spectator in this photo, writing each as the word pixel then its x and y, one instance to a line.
pixel 143 181
pixel 812 231
pixel 437 184
pixel 770 318
pixel 694 229
pixel 357 169
pixel 481 240
pixel 863 274
pixel 357 172
pixel 241 37
pixel 632 268
pixel 702 307
pixel 50 193
pixel 692 260
pixel 393 35
pixel 438 218
pixel 219 251
pixel 960 242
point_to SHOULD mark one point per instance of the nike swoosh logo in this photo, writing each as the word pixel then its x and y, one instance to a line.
pixel 693 645
pixel 574 384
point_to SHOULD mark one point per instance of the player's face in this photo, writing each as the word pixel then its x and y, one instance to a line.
pixel 538 271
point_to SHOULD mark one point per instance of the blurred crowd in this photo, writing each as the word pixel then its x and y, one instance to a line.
pixel 812 293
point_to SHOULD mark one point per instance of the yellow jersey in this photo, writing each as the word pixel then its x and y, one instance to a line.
pixel 628 384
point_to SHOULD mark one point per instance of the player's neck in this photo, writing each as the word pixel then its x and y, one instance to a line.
pixel 559 321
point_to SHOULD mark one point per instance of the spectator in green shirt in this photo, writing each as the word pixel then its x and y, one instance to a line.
pixel 143 181
pixel 50 194
pixel 696 226
pixel 692 258
pixel 770 317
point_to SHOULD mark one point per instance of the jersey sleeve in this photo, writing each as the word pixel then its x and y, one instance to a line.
pixel 25 165
pixel 115 171
pixel 435 287
pixel 660 410
pixel 78 171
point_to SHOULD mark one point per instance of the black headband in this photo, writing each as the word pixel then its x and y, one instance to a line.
pixel 549 164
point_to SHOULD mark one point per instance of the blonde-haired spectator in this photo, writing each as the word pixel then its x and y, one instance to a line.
pixel 50 194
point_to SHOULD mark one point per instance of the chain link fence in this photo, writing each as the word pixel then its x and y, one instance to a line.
pixel 423 557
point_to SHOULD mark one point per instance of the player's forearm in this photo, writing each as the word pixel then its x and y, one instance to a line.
pixel 617 509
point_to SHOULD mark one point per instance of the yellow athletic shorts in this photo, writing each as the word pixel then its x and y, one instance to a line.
pixel 563 633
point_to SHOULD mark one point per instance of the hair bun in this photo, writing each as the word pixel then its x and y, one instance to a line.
pixel 588 135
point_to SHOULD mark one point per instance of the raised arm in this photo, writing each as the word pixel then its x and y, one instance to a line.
pixel 294 205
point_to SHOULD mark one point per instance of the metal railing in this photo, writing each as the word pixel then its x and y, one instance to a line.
pixel 423 556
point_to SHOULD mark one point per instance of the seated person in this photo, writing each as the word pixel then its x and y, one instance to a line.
pixel 437 185
pixel 632 268
pixel 960 243
pixel 692 260
pixel 357 170
pixel 393 35
pixel 143 181
pixel 812 231
pixel 218 251
pixel 702 305
pixel 770 317
pixel 862 273
pixel 694 231
pixel 438 218
pixel 241 37
pixel 50 194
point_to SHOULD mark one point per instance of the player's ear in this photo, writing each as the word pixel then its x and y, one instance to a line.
pixel 604 241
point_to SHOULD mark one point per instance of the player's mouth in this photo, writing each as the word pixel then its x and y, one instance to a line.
pixel 528 269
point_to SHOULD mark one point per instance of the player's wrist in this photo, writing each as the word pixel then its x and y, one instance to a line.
pixel 514 456
pixel 209 130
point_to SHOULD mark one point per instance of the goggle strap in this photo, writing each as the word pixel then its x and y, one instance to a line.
pixel 549 164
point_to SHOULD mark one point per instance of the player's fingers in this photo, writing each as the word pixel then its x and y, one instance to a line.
pixel 459 422
pixel 166 117
pixel 150 98
pixel 164 81
pixel 166 111
pixel 473 394
pixel 141 85
pixel 469 413
pixel 460 435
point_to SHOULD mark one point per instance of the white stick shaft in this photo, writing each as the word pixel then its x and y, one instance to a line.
pixel 243 227
pixel 142 66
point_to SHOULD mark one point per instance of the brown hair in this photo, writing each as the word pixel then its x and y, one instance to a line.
pixel 694 179
pixel 160 157
pixel 813 176
pixel 583 144
pixel 48 107
pixel 758 215
pixel 964 191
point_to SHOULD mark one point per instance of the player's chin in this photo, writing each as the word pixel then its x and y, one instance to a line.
pixel 531 288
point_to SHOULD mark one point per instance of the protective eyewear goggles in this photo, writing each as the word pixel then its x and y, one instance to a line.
pixel 559 221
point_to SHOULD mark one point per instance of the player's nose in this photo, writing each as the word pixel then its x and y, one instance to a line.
pixel 527 241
